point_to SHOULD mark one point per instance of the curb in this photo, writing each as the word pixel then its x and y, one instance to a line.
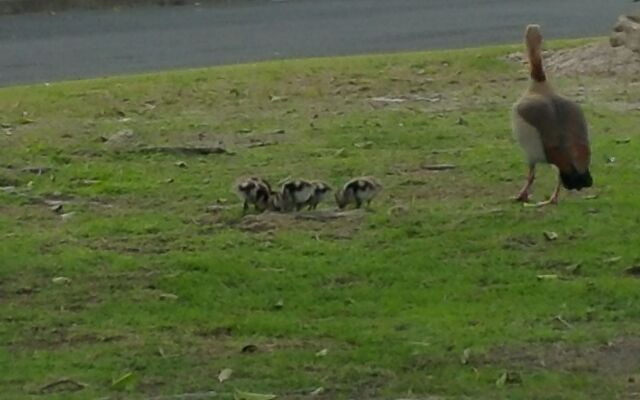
pixel 9 7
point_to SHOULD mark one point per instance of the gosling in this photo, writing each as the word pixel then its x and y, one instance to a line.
pixel 296 194
pixel 257 192
pixel 358 191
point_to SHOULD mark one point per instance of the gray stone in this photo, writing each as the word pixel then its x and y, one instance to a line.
pixel 626 32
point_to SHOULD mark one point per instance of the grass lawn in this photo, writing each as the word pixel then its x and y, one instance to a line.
pixel 114 265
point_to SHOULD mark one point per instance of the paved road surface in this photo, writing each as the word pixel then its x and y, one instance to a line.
pixel 79 44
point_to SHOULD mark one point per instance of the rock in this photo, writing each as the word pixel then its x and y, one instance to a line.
pixel 626 32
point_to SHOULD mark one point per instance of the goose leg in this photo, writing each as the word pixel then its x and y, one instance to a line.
pixel 523 196
pixel 553 200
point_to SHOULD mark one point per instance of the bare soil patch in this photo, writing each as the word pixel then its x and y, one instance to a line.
pixel 620 357
pixel 598 59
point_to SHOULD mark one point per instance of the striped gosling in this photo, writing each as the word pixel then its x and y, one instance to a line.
pixel 255 191
pixel 358 191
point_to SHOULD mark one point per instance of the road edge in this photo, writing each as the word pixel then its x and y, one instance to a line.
pixel 11 7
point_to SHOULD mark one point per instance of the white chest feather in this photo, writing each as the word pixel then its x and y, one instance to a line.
pixel 303 195
pixel 529 138
pixel 366 194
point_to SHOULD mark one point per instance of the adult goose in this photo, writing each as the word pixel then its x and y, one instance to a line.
pixel 550 128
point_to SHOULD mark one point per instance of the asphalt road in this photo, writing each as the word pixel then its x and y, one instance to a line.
pixel 80 44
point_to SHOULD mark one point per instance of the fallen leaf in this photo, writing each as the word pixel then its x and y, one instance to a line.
pixel 550 236
pixel 317 391
pixel 465 356
pixel 562 321
pixel 57 208
pixel 612 260
pixel 547 277
pixel 502 380
pixel 363 145
pixel 181 164
pixel 388 100
pixel 278 98
pixel 67 216
pixel 62 385
pixel 279 304
pixel 573 268
pixel 61 280
pixel 438 167
pixel 250 348
pixel 167 296
pixel 508 378
pixel 224 374
pixel 322 353
pixel 240 395
pixel 124 382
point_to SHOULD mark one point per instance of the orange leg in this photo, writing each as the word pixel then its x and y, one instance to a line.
pixel 523 196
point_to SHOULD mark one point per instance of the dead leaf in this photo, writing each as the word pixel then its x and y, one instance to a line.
pixel 388 100
pixel 57 208
pixel 61 280
pixel 240 395
pixel 438 167
pixel 181 164
pixel 363 145
pixel 62 385
pixel 318 391
pixel 547 277
pixel 550 236
pixel 167 296
pixel 563 321
pixel 274 99
pixel 612 260
pixel 322 353
pixel 224 374
pixel 508 378
pixel 502 380
pixel 250 348
pixel 36 170
pixel 279 304
pixel 573 268
pixel 67 216
pixel 124 382
pixel 465 356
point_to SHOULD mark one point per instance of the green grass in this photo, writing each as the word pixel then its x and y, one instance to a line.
pixel 444 262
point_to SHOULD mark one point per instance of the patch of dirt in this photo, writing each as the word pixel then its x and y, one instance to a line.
pixel 44 337
pixel 619 357
pixel 141 244
pixel 325 223
pixel 591 59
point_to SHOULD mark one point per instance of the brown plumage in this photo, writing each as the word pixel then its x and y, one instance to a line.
pixel 550 128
